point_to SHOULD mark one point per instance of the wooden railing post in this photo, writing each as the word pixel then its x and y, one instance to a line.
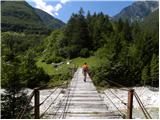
pixel 36 103
pixel 130 104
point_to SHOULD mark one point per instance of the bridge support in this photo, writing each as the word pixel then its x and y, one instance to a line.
pixel 36 103
pixel 130 104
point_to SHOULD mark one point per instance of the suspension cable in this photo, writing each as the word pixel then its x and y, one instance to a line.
pixel 118 98
pixel 122 114
pixel 63 112
pixel 68 100
pixel 60 103
pixel 50 105
pixel 124 87
pixel 142 106
pixel 48 96
pixel 21 113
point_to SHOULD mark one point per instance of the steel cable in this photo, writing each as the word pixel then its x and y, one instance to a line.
pixel 61 102
pixel 122 114
pixel 64 113
pixel 69 100
pixel 50 105
pixel 118 98
pixel 48 96
pixel 21 113
pixel 142 106
pixel 124 87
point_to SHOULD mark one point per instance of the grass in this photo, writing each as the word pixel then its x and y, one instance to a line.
pixel 48 68
pixel 58 73
pixel 91 61
pixel 51 70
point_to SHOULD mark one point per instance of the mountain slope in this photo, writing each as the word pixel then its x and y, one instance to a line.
pixel 137 11
pixel 19 16
pixel 151 22
pixel 48 20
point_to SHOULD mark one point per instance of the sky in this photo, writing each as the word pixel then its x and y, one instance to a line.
pixel 63 9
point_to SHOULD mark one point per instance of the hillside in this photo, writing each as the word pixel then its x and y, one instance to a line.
pixel 19 16
pixel 48 20
pixel 137 11
pixel 151 22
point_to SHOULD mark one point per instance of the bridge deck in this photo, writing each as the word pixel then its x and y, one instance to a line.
pixel 83 102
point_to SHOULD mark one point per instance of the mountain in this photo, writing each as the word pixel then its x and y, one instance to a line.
pixel 19 16
pixel 48 20
pixel 151 22
pixel 137 11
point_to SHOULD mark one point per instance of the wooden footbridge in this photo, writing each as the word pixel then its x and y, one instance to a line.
pixel 79 99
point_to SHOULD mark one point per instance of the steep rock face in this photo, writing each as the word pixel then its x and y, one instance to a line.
pixel 19 16
pixel 137 11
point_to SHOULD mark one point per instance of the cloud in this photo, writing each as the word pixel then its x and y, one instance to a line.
pixel 64 1
pixel 40 4
pixel 58 7
pixel 56 13
pixel 52 10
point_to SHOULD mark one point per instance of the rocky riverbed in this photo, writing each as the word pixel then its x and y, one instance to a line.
pixel 148 95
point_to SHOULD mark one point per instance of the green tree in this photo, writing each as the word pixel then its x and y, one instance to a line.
pixel 145 76
pixel 77 34
pixel 13 98
pixel 154 70
pixel 32 75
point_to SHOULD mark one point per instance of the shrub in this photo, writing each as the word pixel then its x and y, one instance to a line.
pixel 84 52
pixel 54 59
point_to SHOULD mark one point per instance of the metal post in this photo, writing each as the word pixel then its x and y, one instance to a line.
pixel 130 103
pixel 36 103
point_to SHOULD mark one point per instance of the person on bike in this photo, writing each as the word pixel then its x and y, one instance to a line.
pixel 85 70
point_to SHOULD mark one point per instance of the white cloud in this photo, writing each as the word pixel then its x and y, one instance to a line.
pixel 58 7
pixel 64 1
pixel 56 13
pixel 40 4
pixel 52 10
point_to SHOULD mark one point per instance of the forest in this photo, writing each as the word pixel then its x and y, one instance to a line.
pixel 123 52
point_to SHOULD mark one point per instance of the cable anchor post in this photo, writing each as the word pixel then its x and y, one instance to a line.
pixel 130 103
pixel 36 101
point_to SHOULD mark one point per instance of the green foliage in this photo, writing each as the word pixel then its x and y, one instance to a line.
pixel 151 22
pixel 145 75
pixel 60 78
pixel 53 59
pixel 18 50
pixel 98 25
pixel 19 16
pixel 154 66
pixel 12 104
pixel 84 52
pixel 122 52
pixel 80 36
pixel 77 35
pixel 13 98
pixel 126 56
pixel 32 75
pixel 19 43
pixel 48 20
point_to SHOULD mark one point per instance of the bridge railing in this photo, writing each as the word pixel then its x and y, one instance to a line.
pixel 36 95
pixel 129 104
